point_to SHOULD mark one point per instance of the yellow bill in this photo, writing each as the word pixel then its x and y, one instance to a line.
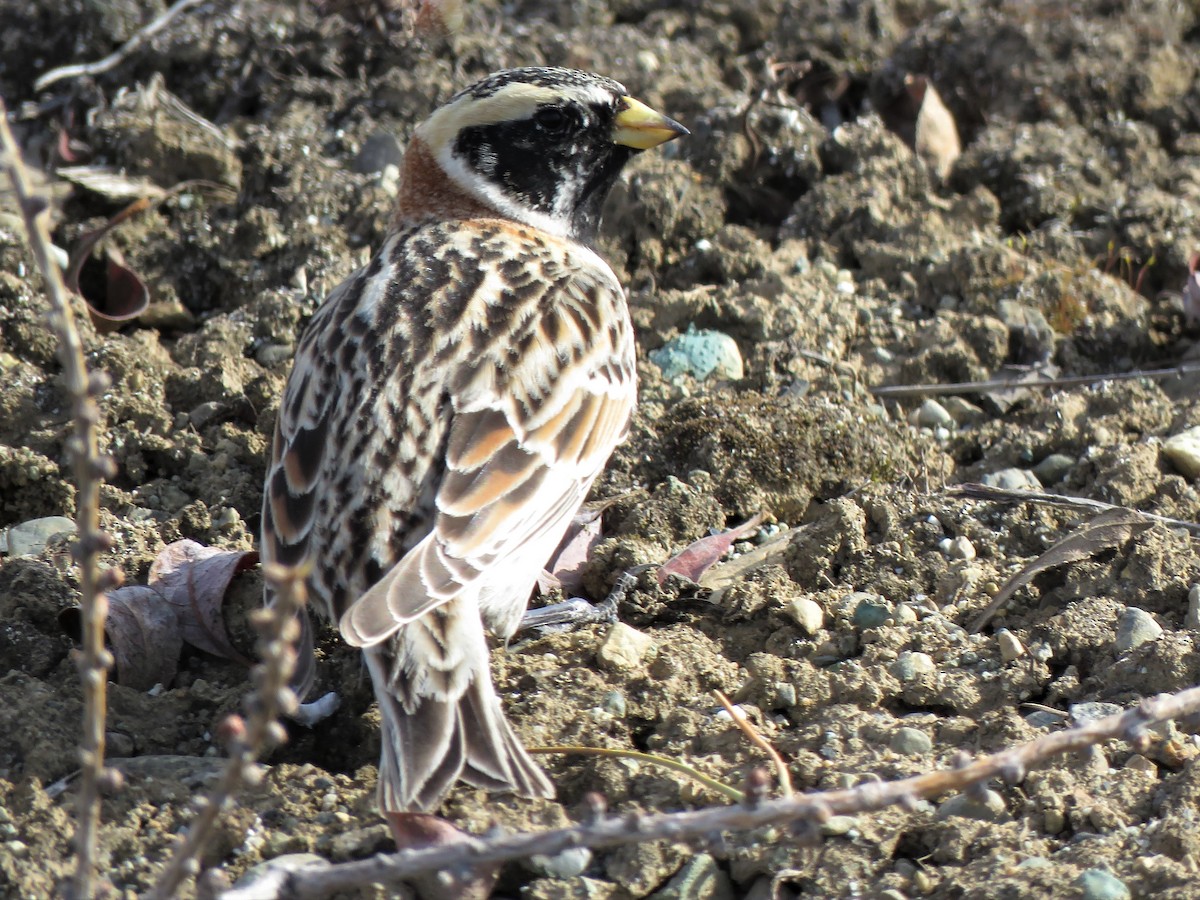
pixel 640 127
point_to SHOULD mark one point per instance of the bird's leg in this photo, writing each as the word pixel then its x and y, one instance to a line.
pixel 576 611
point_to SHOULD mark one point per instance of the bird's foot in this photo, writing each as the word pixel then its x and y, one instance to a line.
pixel 576 612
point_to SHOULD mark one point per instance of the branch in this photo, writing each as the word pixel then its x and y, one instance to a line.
pixel 975 491
pixel 278 629
pixel 90 469
pixel 118 56
pixel 1004 384
pixel 311 882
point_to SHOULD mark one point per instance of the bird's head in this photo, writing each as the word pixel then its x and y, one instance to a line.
pixel 542 146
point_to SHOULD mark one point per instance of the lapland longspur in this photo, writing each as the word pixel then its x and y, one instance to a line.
pixel 450 405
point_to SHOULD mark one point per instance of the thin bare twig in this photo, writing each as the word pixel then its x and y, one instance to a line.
pixel 974 491
pixel 278 629
pixel 119 55
pixel 90 469
pixel 1004 384
pixel 309 883
pixel 674 765
pixel 781 770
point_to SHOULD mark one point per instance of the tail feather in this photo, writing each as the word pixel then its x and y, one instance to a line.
pixel 430 742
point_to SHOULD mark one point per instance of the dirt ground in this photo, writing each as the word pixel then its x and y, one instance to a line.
pixel 793 220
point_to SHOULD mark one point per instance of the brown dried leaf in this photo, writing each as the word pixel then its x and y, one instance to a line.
pixel 700 555
pixel 936 140
pixel 110 183
pixel 569 560
pixel 143 633
pixel 194 579
pixel 1107 530
pixel 1191 291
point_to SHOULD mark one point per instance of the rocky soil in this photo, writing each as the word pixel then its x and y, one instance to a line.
pixel 796 220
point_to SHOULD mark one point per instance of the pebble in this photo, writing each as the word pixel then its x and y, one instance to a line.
pixel 1034 862
pixel 614 703
pixel 1086 713
pixel 624 647
pixel 1054 468
pixel 911 742
pixel 837 826
pixel 1183 450
pixel 1134 628
pixel 1013 479
pixel 379 150
pixel 700 354
pixel 962 411
pixel 870 611
pixel 32 537
pixel 960 548
pixel 1054 821
pixel 904 614
pixel 699 879
pixel 118 745
pixel 271 354
pixel 932 414
pixel 1010 647
pixel 1100 885
pixel 989 808
pixel 1139 763
pixel 1191 620
pixel 567 864
pixel 806 613
pixel 913 664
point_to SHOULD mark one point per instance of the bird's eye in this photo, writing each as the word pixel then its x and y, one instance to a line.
pixel 553 120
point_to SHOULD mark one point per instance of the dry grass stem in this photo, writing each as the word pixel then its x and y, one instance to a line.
pixel 896 391
pixel 781 770
pixel 119 55
pixel 248 739
pixel 974 491
pixel 89 469
pixel 1011 765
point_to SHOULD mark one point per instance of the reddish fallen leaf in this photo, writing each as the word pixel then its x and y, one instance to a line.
pixel 1191 291
pixel 700 555
pixel 193 579
pixel 418 831
pixel 143 633
pixel 566 566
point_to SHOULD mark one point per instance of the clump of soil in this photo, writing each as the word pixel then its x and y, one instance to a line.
pixel 792 220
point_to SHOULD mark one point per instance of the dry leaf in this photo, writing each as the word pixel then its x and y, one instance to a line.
pixel 1191 291
pixel 936 140
pixel 110 183
pixel 193 579
pixel 699 556
pixel 143 634
pixel 1107 530
pixel 569 560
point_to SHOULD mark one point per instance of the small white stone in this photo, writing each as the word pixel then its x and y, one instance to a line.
pixel 1191 621
pixel 961 548
pixel 1183 450
pixel 1010 647
pixel 932 414
pixel 624 647
pixel 806 613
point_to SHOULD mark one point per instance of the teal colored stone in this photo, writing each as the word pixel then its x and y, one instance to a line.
pixel 1100 885
pixel 701 354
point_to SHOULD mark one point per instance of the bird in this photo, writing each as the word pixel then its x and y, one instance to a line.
pixel 449 407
